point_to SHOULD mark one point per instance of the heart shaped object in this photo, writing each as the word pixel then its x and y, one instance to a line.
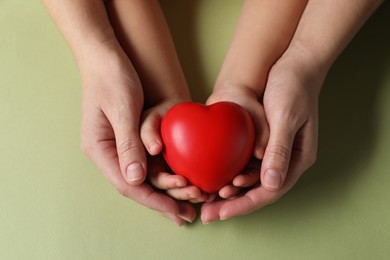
pixel 208 145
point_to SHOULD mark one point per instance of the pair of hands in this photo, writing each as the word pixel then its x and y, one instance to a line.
pixel 286 123
pixel 116 130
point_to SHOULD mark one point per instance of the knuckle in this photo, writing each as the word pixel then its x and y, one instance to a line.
pixel 122 190
pixel 84 148
pixel 87 146
pixel 311 159
pixel 271 198
pixel 279 152
pixel 274 199
pixel 150 124
pixel 147 134
pixel 128 148
pixel 267 199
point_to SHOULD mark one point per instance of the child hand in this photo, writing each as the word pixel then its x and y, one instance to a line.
pixel 159 174
pixel 176 186
pixel 249 178
pixel 248 100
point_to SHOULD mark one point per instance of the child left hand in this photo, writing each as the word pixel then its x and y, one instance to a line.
pixel 248 100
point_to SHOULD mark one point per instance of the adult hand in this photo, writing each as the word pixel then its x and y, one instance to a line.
pixel 112 105
pixel 291 109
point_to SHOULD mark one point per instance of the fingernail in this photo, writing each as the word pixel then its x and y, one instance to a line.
pixel 271 179
pixel 173 218
pixel 185 218
pixel 193 196
pixel 205 222
pixel 212 197
pixel 134 172
pixel 223 216
pixel 259 152
pixel 180 184
pixel 154 146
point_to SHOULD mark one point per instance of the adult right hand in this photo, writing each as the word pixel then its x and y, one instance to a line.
pixel 112 105
pixel 291 109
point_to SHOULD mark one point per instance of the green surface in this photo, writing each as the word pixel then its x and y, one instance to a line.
pixel 54 203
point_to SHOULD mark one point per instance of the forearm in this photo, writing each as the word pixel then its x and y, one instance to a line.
pixel 144 34
pixel 85 26
pixel 263 32
pixel 326 28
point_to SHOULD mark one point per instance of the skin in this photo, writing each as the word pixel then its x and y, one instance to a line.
pixel 151 49
pixel 257 73
pixel 291 101
pixel 242 78
pixel 260 39
pixel 116 71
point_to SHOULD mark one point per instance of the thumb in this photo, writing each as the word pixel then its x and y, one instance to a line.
pixel 277 157
pixel 150 132
pixel 131 153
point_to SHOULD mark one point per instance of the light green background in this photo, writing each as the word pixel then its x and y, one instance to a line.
pixel 54 203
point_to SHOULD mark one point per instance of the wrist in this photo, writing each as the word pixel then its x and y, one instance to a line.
pixel 310 57
pixel 303 62
pixel 176 98
pixel 232 92
pixel 106 58
pixel 231 88
pixel 87 51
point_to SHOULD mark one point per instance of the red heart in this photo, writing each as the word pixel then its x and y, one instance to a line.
pixel 209 145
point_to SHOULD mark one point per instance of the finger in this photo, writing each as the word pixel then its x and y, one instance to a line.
pixel 247 180
pixel 186 211
pixel 150 132
pixel 202 198
pixel 261 130
pixel 211 197
pixel 210 211
pixel 301 159
pixel 254 199
pixel 304 153
pixel 250 177
pixel 229 191
pixel 259 197
pixel 305 146
pixel 105 156
pixel 277 156
pixel 125 122
pixel 205 197
pixel 178 220
pixel 186 193
pixel 164 180
pixel 161 179
pixel 251 201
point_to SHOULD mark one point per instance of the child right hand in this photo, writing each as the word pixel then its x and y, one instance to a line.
pixel 159 173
